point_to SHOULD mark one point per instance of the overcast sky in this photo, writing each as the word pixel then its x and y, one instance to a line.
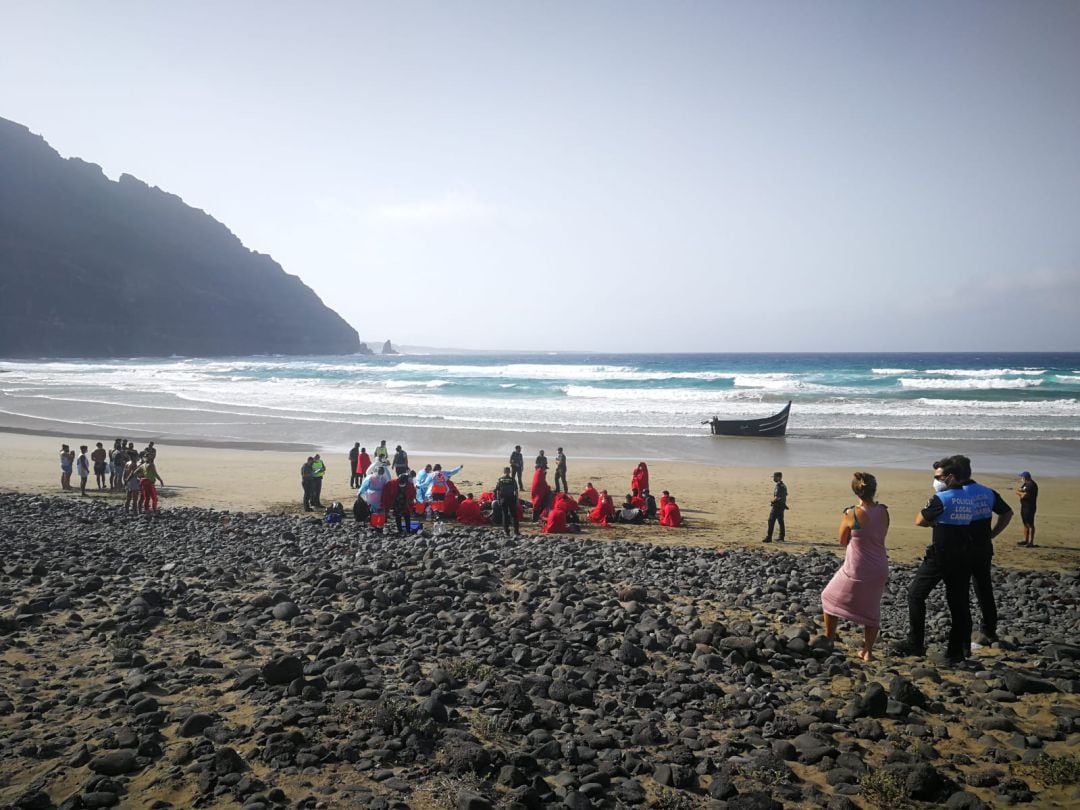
pixel 623 176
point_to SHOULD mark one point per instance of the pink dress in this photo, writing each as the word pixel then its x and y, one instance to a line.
pixel 854 592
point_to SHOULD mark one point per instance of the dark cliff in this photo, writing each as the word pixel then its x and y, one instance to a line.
pixel 91 268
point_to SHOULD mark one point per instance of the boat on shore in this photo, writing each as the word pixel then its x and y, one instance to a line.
pixel 769 427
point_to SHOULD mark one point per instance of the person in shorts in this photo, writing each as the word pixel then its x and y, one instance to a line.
pixel 67 462
pixel 101 467
pixel 1029 500
pixel 131 487
pixel 82 466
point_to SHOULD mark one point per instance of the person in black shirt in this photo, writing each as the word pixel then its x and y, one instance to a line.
pixel 506 495
pixel 517 464
pixel 982 545
pixel 777 507
pixel 542 461
pixel 560 471
pixel 354 476
pixel 948 560
pixel 307 482
pixel 1029 497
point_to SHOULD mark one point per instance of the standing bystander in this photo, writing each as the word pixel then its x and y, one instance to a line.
pixel 777 507
pixel 1029 500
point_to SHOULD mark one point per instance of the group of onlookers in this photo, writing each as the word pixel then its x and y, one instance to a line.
pixel 388 488
pixel 964 517
pixel 122 469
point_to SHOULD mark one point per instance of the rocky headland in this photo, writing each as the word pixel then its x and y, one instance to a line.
pixel 90 267
pixel 199 658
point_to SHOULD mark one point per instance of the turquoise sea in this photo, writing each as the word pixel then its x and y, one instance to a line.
pixel 605 404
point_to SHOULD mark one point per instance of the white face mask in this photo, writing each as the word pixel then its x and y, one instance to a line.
pixel 940 486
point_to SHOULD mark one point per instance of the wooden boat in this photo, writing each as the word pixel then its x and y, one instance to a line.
pixel 770 427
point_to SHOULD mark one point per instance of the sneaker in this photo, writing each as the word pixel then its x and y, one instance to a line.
pixel 907 647
pixel 779 539
pixel 983 639
pixel 767 540
pixel 1022 543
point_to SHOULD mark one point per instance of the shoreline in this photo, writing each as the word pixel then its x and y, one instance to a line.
pixel 725 506
pixel 1045 458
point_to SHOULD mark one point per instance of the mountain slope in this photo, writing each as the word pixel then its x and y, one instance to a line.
pixel 91 268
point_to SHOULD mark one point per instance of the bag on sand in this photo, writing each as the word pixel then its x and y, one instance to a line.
pixel 378 521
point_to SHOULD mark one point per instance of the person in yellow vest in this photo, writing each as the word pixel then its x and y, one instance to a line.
pixel 382 455
pixel 318 471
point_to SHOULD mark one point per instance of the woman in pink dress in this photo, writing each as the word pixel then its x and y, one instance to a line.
pixel 854 592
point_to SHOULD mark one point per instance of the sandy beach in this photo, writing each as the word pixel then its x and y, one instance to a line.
pixel 724 507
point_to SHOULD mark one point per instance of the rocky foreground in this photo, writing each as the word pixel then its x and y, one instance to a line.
pixel 198 659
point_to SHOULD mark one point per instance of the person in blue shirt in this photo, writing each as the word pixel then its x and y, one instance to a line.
pixel 949 514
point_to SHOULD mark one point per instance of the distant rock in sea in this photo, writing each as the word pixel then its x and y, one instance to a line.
pixel 388 349
pixel 95 268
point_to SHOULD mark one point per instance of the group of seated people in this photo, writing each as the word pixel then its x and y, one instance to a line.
pixel 560 512
pixel 411 497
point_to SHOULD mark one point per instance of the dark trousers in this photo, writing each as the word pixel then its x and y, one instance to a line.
pixel 981 559
pixel 952 565
pixel 509 513
pixel 560 475
pixel 516 472
pixel 776 518
pixel 306 484
pixel 401 521
pixel 316 492
pixel 354 478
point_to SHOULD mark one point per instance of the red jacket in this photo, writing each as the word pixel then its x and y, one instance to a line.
pixel 468 512
pixel 540 487
pixel 556 522
pixel 670 515
pixel 604 510
pixel 363 461
pixel 589 497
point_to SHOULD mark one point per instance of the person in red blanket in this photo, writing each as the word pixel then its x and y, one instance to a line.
pixel 557 516
pixel 468 512
pixel 640 479
pixel 670 514
pixel 665 496
pixel 453 500
pixel 363 461
pixel 637 500
pixel 399 497
pixel 589 497
pixel 540 492
pixel 604 510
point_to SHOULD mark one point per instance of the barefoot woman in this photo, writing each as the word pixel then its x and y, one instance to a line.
pixel 854 592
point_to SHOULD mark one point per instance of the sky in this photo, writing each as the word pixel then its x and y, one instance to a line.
pixel 603 176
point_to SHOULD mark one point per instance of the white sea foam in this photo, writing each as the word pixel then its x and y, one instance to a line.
pixel 985 372
pixel 892 372
pixel 980 383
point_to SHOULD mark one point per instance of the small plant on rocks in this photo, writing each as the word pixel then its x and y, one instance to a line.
pixel 442 793
pixel 495 728
pixel 118 642
pixel 467 670
pixel 1051 770
pixel 668 799
pixel 391 716
pixel 764 776
pixel 883 789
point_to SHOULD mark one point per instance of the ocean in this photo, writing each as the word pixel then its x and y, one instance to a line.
pixel 1010 407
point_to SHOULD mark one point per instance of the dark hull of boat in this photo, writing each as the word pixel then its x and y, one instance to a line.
pixel 771 427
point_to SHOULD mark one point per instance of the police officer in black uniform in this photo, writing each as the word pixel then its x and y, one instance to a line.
pixel 986 502
pixel 949 514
